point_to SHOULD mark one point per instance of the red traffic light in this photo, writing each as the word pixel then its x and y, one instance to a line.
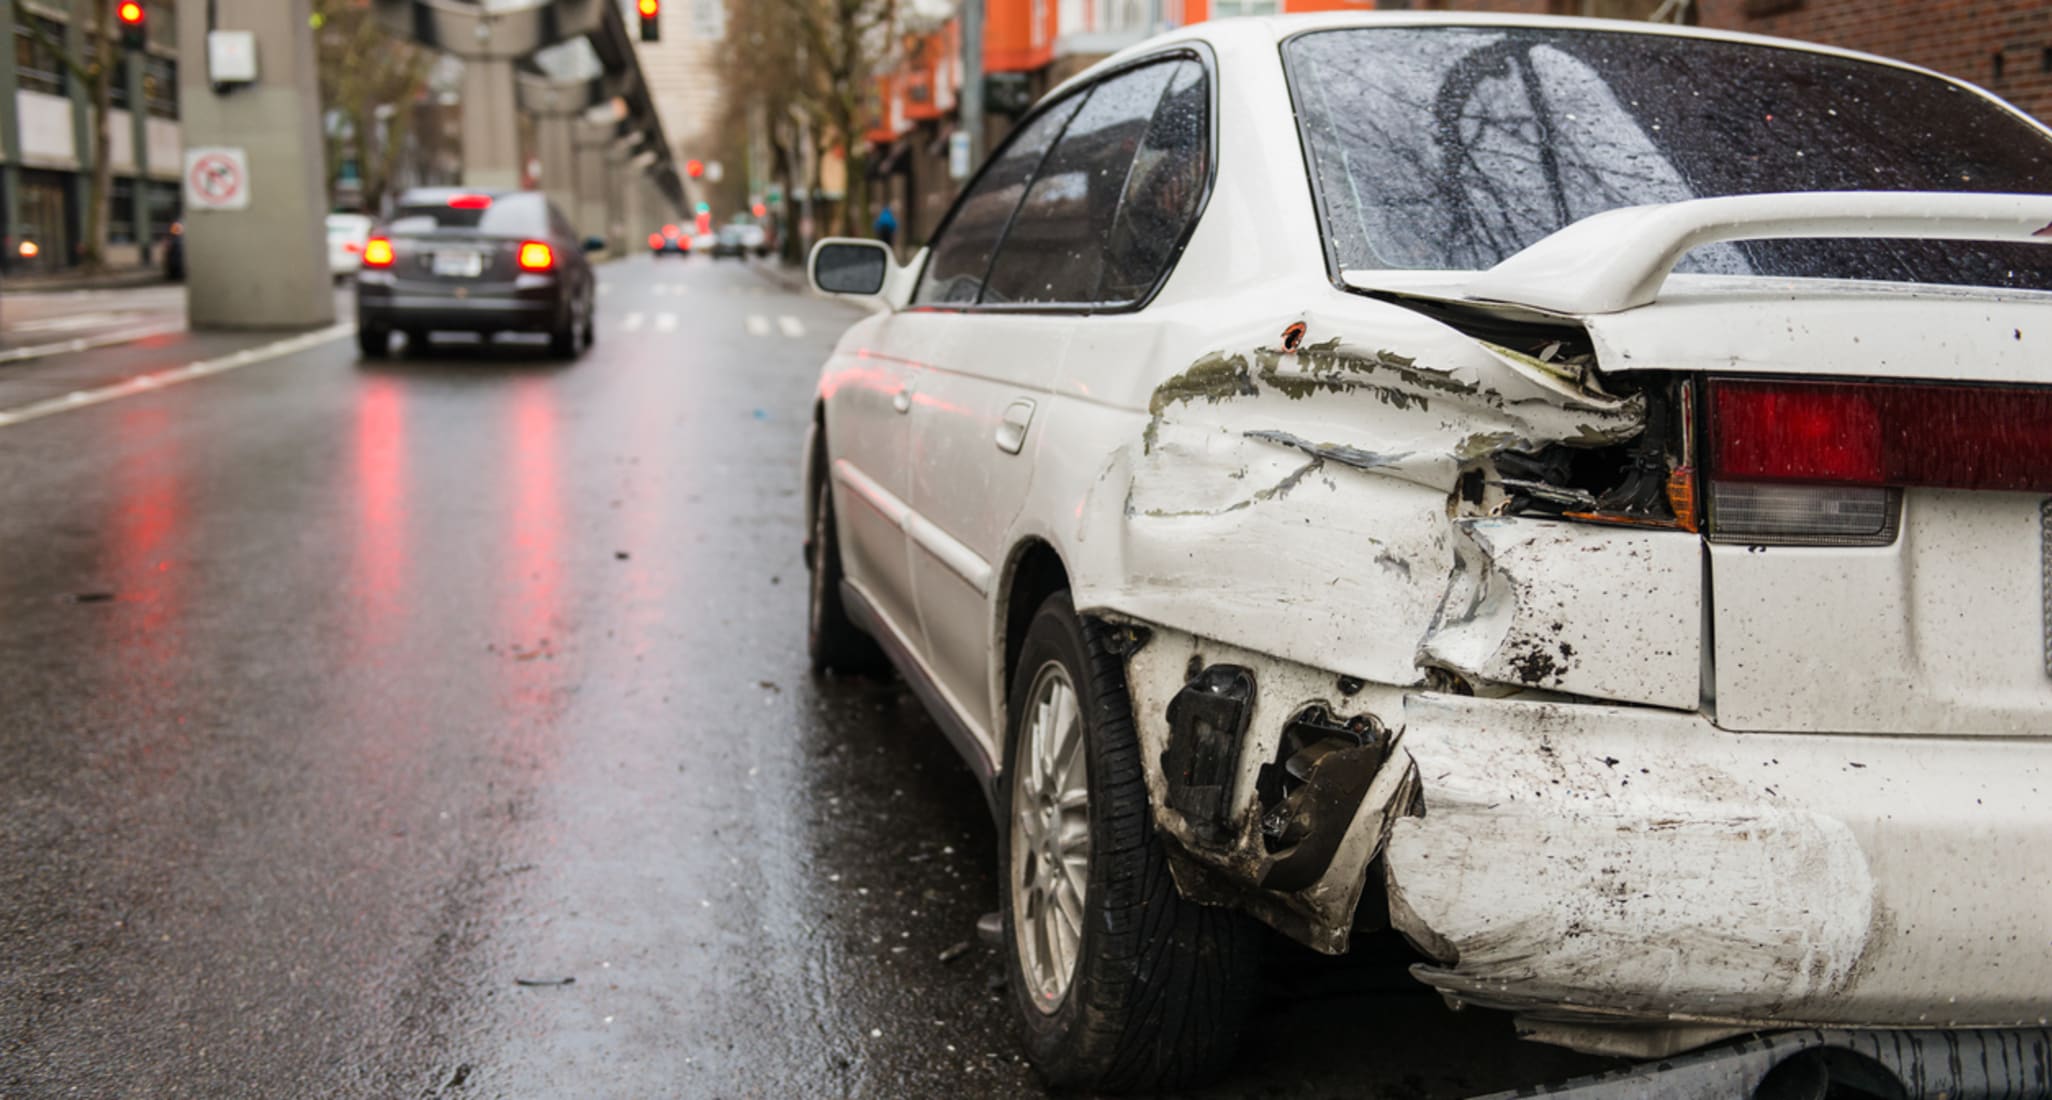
pixel 651 23
pixel 130 13
pixel 759 210
pixel 694 168
pixel 650 8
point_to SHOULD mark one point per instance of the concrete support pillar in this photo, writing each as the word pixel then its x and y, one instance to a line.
pixel 556 135
pixel 265 266
pixel 593 139
pixel 491 124
pixel 617 170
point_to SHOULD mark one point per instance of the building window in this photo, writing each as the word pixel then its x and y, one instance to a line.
pixel 167 203
pixel 38 62
pixel 121 213
pixel 1220 9
pixel 160 87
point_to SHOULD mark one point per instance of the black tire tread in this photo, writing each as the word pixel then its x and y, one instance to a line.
pixel 833 642
pixel 1172 981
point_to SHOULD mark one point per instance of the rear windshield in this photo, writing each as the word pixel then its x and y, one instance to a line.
pixel 1453 147
pixel 510 216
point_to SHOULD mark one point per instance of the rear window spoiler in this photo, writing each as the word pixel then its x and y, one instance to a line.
pixel 1619 259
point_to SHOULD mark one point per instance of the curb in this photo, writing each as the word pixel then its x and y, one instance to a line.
pixel 113 280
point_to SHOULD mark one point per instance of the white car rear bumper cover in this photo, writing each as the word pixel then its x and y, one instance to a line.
pixel 1616 864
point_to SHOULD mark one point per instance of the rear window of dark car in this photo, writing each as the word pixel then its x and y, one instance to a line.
pixel 1452 148
pixel 507 216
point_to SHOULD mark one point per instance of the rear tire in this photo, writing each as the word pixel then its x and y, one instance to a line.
pixel 1157 987
pixel 832 640
pixel 566 341
pixel 373 342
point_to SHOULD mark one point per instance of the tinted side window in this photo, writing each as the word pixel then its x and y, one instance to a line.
pixel 1055 250
pixel 1162 191
pixel 961 257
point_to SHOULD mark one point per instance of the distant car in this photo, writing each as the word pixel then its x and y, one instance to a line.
pixel 755 239
pixel 729 242
pixel 703 242
pixel 476 261
pixel 347 234
pixel 669 241
pixel 1572 493
pixel 174 252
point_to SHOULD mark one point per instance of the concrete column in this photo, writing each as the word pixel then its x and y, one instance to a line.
pixel 617 170
pixel 593 139
pixel 556 136
pixel 491 125
pixel 267 266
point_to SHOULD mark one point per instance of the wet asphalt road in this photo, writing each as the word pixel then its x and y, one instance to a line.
pixel 440 727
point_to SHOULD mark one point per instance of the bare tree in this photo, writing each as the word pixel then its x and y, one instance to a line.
pixel 814 62
pixel 363 69
pixel 94 68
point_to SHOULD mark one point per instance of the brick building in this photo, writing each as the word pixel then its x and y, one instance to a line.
pixel 1031 45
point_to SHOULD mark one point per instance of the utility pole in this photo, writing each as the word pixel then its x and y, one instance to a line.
pixel 972 79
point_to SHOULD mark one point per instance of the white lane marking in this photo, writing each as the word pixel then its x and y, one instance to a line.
pixel 71 321
pixel 791 326
pixel 248 357
pixel 88 343
pixel 633 322
pixel 666 322
pixel 758 325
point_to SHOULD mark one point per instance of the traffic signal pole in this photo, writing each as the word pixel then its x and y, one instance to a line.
pixel 256 183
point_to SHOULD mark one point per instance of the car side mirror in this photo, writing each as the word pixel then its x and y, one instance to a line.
pixel 848 265
pixel 594 244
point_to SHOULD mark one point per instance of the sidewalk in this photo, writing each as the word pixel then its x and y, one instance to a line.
pixel 121 279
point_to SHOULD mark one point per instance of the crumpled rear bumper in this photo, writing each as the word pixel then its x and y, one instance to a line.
pixel 1609 865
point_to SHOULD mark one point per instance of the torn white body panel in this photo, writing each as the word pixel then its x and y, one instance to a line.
pixel 1624 864
pixel 1607 612
pixel 1321 914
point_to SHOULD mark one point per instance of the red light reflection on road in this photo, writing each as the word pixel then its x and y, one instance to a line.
pixel 149 510
pixel 378 564
pixel 532 628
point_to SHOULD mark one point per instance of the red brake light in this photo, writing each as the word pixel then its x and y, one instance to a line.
pixel 1883 434
pixel 536 256
pixel 671 231
pixel 470 202
pixel 655 240
pixel 377 252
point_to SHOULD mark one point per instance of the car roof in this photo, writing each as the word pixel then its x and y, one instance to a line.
pixel 1268 30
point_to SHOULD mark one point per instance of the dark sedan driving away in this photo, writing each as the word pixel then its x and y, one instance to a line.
pixel 474 261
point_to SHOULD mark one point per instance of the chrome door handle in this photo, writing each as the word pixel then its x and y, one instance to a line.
pixel 902 400
pixel 1011 431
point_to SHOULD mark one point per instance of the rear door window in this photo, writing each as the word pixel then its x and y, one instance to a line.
pixel 1055 251
pixel 961 254
pixel 1162 191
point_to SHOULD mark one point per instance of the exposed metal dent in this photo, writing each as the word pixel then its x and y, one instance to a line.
pixel 1227 867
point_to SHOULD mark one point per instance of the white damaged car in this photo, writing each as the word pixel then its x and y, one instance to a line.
pixel 1573 493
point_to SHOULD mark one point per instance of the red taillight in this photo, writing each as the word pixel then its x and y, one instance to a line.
pixel 1882 434
pixel 377 252
pixel 536 256
pixel 655 240
pixel 671 231
pixel 470 202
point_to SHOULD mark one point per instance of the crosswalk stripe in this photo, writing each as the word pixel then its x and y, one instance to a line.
pixel 666 322
pixel 758 325
pixel 790 326
pixel 633 322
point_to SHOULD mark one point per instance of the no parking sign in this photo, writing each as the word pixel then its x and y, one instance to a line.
pixel 216 179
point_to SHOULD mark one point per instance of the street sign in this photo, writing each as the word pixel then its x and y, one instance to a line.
pixel 216 178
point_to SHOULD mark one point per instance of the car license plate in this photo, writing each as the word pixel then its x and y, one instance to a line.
pixel 459 265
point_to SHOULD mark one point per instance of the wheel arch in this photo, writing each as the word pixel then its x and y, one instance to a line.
pixel 1033 571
